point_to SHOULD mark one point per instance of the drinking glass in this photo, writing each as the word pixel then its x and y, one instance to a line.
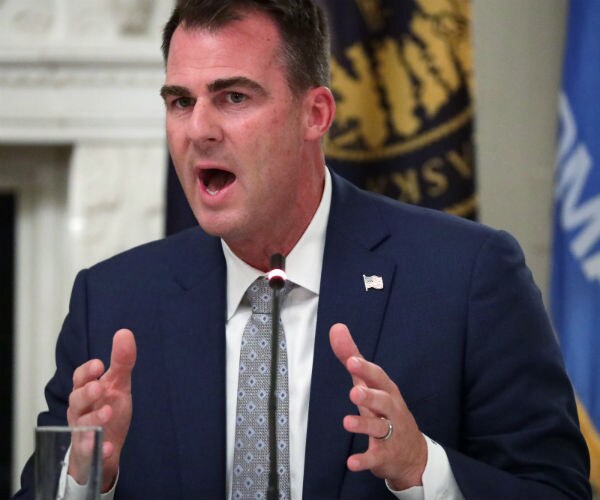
pixel 58 447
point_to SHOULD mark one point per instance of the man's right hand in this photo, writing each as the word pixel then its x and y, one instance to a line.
pixel 103 399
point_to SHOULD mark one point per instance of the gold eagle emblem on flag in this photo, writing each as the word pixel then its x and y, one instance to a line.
pixel 403 89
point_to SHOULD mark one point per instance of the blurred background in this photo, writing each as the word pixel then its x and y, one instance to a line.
pixel 83 160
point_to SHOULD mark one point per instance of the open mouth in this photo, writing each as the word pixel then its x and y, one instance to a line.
pixel 215 180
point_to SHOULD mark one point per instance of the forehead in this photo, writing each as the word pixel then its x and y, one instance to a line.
pixel 249 46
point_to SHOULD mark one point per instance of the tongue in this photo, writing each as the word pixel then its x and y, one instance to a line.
pixel 215 180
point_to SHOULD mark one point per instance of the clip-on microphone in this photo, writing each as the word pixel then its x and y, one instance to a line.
pixel 277 279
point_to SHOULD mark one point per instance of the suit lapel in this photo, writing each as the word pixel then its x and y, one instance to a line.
pixel 353 235
pixel 194 352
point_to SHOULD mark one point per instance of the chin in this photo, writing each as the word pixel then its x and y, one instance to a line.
pixel 215 227
pixel 231 224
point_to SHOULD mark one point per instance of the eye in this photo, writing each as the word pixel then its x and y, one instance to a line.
pixel 236 97
pixel 182 102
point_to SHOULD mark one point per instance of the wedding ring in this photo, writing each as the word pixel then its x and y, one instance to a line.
pixel 389 431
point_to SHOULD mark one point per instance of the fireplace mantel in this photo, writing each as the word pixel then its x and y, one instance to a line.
pixel 88 94
pixel 77 70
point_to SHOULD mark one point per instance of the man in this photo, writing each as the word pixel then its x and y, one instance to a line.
pixel 449 338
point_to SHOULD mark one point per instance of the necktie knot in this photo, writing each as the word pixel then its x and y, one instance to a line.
pixel 260 295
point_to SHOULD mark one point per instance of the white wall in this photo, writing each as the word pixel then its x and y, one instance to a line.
pixel 518 60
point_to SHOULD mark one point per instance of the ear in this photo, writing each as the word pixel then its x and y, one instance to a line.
pixel 319 107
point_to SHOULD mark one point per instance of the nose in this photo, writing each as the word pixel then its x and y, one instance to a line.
pixel 204 125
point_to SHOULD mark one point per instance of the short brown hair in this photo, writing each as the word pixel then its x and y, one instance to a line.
pixel 302 25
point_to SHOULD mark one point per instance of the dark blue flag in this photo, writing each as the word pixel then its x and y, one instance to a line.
pixel 403 81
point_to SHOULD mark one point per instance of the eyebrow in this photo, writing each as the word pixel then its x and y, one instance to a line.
pixel 174 90
pixel 216 86
pixel 236 81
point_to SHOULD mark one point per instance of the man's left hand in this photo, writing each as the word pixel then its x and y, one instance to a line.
pixel 401 459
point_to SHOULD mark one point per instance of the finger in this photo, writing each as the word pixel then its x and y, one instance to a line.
pixel 83 441
pixel 374 427
pixel 371 374
pixel 364 461
pixel 90 370
pixel 122 359
pixel 378 402
pixel 96 418
pixel 108 449
pixel 82 400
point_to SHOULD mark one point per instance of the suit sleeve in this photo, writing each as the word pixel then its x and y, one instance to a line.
pixel 519 428
pixel 71 351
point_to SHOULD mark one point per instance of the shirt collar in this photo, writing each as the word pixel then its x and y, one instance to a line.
pixel 303 264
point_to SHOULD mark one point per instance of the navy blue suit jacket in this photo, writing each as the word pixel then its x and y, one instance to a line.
pixel 459 326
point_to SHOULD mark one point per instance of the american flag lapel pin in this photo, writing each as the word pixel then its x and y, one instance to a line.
pixel 375 282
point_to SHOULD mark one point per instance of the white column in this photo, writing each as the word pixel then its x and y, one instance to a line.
pixel 116 198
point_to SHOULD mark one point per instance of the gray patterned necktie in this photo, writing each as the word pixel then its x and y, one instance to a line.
pixel 251 452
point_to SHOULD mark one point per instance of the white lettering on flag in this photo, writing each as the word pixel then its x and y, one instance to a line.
pixel 578 214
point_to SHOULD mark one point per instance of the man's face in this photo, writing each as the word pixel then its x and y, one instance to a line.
pixel 235 131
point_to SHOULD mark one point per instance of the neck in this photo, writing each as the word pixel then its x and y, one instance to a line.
pixel 283 234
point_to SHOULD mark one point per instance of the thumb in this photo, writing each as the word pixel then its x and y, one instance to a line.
pixel 342 344
pixel 122 358
pixel 343 347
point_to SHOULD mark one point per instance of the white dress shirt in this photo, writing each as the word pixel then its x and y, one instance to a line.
pixel 299 317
